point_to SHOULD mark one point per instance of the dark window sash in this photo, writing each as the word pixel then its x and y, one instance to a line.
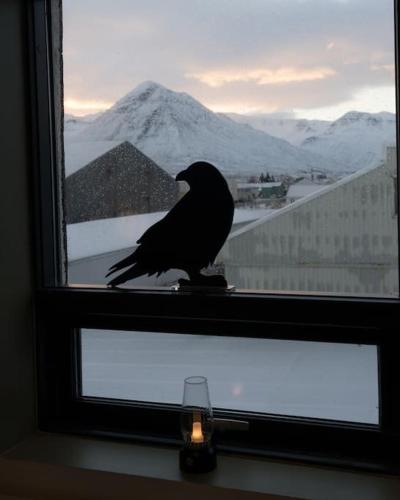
pixel 61 312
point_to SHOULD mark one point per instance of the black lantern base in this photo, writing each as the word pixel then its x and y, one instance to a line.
pixel 197 459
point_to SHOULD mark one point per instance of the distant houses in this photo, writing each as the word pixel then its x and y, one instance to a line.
pixel 248 191
pixel 123 181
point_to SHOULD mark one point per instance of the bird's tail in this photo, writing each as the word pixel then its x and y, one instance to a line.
pixel 129 274
pixel 128 261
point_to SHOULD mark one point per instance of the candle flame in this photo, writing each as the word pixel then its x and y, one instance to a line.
pixel 197 433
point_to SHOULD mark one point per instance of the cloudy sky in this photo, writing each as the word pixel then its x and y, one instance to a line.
pixel 308 58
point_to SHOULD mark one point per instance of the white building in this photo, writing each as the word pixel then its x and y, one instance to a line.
pixel 301 189
pixel 341 240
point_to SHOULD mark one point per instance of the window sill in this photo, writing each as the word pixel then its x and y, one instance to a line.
pixel 156 468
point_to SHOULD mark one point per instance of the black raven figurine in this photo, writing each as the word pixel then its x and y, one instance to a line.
pixel 190 236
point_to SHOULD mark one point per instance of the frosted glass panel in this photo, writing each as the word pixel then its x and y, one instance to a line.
pixel 308 379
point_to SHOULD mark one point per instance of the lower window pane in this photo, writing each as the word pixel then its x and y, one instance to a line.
pixel 294 378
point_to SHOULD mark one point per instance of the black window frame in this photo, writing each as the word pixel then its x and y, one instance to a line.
pixel 60 311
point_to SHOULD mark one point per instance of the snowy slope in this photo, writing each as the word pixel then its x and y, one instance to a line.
pixel 174 129
pixel 356 139
pixel 292 130
pixel 75 124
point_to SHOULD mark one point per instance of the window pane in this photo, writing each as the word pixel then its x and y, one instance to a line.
pixel 307 379
pixel 294 101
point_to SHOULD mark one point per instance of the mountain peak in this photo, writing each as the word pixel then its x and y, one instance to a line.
pixel 149 83
pixel 141 93
pixel 352 116
pixel 148 86
pixel 150 96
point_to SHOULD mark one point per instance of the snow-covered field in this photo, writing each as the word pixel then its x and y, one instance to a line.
pixel 309 379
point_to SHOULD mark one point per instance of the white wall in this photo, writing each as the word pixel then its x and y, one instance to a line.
pixel 342 239
pixel 17 413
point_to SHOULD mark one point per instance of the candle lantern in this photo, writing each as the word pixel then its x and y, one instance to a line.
pixel 198 453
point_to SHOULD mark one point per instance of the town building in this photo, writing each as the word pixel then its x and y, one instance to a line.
pixel 249 191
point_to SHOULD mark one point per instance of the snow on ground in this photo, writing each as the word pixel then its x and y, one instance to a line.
pixel 87 239
pixel 309 379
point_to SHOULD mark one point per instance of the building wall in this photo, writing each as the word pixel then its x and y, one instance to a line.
pixel 17 395
pixel 340 240
pixel 121 182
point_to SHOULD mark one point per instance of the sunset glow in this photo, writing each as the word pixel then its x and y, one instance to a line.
pixel 80 107
pixel 262 76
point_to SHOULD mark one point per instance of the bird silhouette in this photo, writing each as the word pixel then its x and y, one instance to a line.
pixel 190 236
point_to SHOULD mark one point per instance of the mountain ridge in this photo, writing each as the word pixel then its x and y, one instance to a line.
pixel 357 138
pixel 174 130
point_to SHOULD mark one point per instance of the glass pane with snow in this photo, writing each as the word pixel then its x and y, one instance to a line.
pixel 300 121
pixel 295 378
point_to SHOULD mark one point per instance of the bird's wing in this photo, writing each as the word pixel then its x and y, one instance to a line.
pixel 177 219
pixel 161 242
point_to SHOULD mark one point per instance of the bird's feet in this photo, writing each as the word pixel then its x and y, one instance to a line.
pixel 200 280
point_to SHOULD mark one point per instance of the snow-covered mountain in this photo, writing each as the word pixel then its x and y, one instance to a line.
pixel 295 131
pixel 75 124
pixel 356 139
pixel 174 130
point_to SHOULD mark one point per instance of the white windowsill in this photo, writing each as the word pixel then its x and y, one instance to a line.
pixel 239 476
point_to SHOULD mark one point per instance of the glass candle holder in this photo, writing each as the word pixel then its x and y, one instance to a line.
pixel 198 452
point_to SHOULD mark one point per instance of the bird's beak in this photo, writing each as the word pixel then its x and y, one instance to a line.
pixel 181 176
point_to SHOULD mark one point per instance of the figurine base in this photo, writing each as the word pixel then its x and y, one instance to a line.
pixel 197 460
pixel 202 289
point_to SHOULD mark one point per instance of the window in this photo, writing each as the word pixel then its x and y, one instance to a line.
pixel 350 328
pixel 313 187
